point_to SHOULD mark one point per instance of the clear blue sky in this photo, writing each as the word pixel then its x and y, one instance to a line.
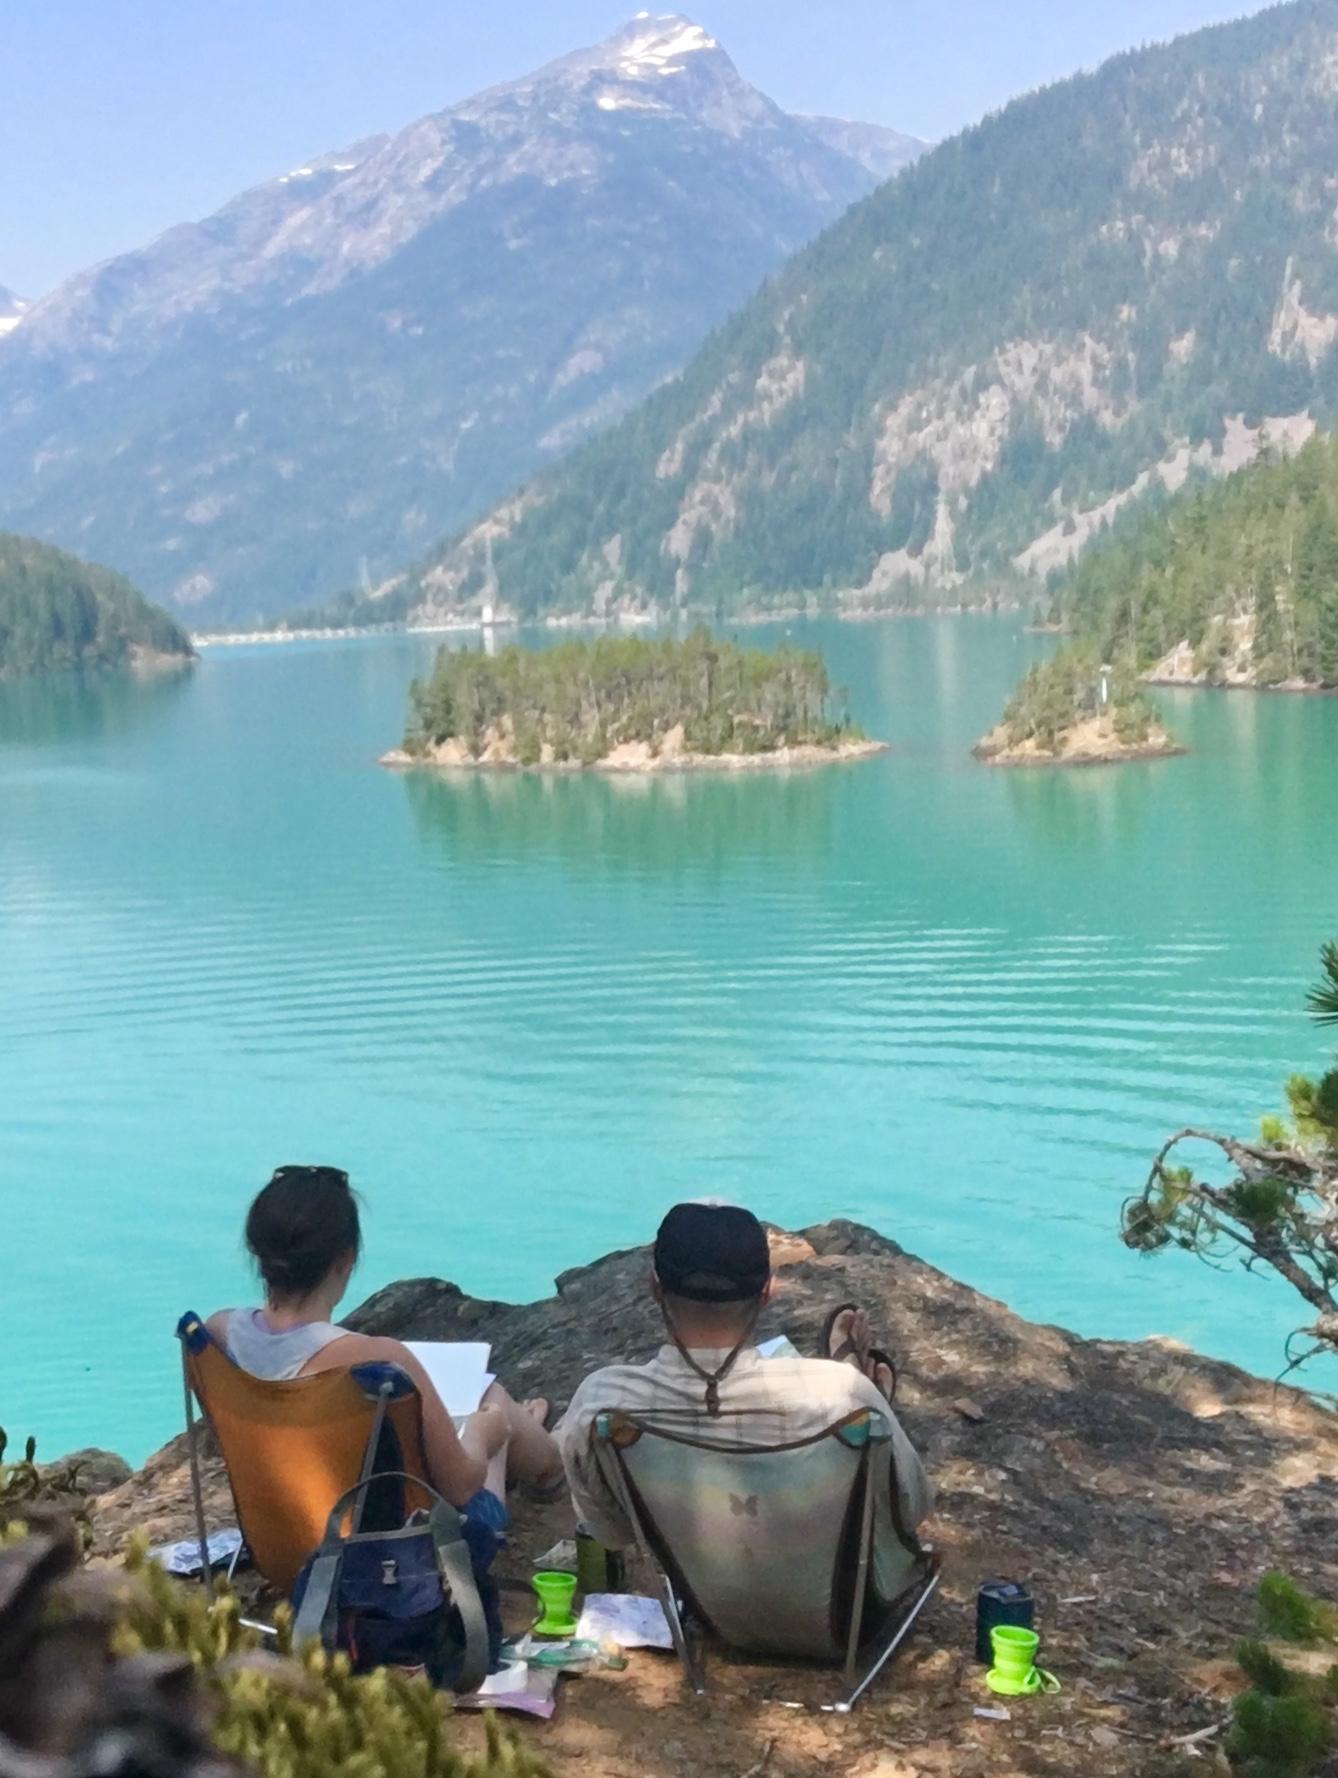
pixel 120 117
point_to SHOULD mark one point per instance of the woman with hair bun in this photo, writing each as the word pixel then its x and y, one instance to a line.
pixel 304 1234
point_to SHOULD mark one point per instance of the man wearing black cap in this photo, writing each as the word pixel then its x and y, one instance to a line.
pixel 712 1279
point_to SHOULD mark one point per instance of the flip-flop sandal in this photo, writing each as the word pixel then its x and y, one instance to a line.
pixel 878 1356
pixel 848 1349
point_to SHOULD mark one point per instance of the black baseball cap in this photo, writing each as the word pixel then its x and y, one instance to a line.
pixel 712 1253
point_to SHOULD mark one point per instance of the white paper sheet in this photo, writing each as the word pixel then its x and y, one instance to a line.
pixel 458 1370
pixel 517 1687
pixel 629 1619
pixel 184 1557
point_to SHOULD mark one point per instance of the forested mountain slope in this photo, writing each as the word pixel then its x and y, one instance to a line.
pixel 1105 285
pixel 1235 584
pixel 58 612
pixel 347 362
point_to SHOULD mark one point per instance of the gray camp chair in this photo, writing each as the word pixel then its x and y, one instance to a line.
pixel 794 1549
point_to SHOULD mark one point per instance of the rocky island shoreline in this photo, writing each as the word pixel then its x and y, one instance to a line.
pixel 1141 1489
pixel 1095 741
pixel 498 752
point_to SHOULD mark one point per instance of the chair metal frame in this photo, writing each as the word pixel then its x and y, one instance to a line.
pixel 687 1626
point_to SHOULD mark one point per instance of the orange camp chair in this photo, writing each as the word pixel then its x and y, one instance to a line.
pixel 295 1450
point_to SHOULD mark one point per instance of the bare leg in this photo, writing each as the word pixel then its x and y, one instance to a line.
pixel 532 1454
pixel 472 1439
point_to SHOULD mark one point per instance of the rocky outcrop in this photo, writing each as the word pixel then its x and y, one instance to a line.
pixel 95 1471
pixel 1225 662
pixel 1142 1489
pixel 1092 742
pixel 631 758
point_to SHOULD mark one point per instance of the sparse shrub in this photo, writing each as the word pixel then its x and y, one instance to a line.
pixel 1279 1737
pixel 1290 1613
pixel 304 1717
pixel 40 1496
pixel 122 1670
pixel 1282 1726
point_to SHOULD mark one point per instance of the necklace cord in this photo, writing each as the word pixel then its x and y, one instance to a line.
pixel 712 1379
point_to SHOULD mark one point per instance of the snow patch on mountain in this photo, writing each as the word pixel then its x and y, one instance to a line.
pixel 12 310
pixel 661 47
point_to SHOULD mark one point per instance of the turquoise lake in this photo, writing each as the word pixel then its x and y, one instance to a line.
pixel 963 1005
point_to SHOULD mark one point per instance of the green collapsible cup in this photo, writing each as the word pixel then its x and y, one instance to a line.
pixel 556 1592
pixel 1015 1673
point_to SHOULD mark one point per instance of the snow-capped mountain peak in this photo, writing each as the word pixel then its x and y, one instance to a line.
pixel 470 296
pixel 12 310
pixel 654 45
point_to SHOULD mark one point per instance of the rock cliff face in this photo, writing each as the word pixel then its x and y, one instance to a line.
pixel 345 363
pixel 1142 1489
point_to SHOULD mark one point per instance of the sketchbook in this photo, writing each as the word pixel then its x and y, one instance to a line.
pixel 458 1371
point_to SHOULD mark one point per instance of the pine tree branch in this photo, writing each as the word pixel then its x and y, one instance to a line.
pixel 1265 1242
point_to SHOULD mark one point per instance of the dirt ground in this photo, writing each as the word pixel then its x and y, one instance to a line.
pixel 1124 1700
pixel 1141 1490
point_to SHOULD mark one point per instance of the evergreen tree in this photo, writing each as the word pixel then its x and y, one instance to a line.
pixel 1269 646
pixel 59 613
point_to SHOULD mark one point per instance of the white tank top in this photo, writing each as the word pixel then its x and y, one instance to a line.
pixel 279 1356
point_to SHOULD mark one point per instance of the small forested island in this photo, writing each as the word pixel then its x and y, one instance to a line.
pixel 58 613
pixel 628 704
pixel 1073 710
pixel 1233 584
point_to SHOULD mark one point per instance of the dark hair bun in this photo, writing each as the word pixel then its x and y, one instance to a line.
pixel 301 1226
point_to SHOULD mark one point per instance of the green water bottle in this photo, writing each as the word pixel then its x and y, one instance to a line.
pixel 598 1570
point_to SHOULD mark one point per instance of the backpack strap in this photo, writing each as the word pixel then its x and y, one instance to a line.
pixel 318 1613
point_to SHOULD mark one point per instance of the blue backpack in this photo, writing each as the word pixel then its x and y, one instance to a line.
pixel 406 1596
